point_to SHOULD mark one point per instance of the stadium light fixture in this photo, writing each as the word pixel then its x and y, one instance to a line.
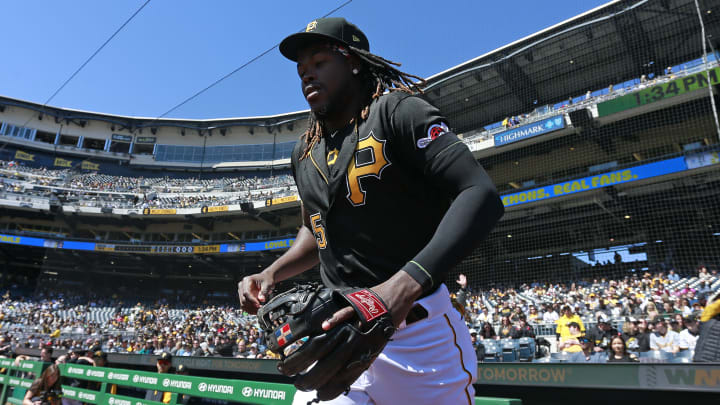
pixel 627 216
pixel 509 236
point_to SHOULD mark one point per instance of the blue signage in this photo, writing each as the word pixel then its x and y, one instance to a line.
pixel 598 181
pixel 269 245
pixel 530 130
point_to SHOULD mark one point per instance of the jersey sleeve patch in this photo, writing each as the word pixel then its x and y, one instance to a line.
pixel 433 132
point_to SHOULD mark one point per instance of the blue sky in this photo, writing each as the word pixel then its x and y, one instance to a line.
pixel 174 48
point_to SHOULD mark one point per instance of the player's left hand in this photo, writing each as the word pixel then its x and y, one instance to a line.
pixel 399 294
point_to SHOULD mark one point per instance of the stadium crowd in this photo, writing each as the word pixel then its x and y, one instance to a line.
pixel 21 183
pixel 650 312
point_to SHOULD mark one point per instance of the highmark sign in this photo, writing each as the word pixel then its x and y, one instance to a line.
pixel 530 130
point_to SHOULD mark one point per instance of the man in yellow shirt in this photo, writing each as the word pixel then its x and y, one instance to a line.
pixel 568 316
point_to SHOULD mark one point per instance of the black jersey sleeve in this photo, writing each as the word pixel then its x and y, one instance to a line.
pixel 420 131
pixel 423 138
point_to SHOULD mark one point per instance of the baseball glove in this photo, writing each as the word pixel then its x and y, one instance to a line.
pixel 342 353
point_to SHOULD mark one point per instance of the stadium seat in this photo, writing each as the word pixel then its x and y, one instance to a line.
pixel 510 350
pixel 491 351
pixel 655 356
pixel 526 350
pixel 559 357
pixel 685 356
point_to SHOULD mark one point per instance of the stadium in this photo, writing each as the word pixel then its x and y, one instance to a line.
pixel 129 235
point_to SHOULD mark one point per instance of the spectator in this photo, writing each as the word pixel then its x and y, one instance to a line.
pixel 587 354
pixel 225 348
pixel 241 349
pixel 533 316
pixel 484 315
pixel 688 337
pixel 522 329
pixel 704 291
pixel 185 399
pixel 163 367
pixel 487 331
pixel 550 315
pixel 570 342
pixel 506 328
pixel 706 348
pixel 196 349
pixel 601 334
pixel 473 338
pixel 672 276
pixel 663 339
pixel 565 320
pixel 5 348
pixel 651 311
pixel 618 352
pixel 47 386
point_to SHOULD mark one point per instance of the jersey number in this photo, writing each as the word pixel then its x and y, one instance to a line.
pixel 374 163
pixel 318 230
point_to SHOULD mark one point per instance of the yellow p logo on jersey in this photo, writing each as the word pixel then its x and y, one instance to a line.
pixel 374 166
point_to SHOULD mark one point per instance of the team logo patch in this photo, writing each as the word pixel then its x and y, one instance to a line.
pixel 311 26
pixel 435 131
pixel 283 335
pixel 369 305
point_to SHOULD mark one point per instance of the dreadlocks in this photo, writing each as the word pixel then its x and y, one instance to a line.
pixel 380 75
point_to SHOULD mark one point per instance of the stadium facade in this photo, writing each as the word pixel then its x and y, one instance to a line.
pixel 600 133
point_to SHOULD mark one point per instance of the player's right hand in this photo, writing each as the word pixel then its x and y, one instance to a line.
pixel 253 291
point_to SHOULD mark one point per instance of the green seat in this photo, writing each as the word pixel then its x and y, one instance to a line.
pixel 16 398
pixel 496 401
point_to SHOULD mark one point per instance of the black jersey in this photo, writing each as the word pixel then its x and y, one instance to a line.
pixel 369 190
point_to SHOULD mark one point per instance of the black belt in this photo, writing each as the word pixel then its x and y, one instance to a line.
pixel 417 313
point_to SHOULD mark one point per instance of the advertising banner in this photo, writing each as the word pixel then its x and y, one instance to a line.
pixel 530 130
pixel 229 390
pixel 594 182
pixel 122 138
pixel 269 245
pixel 659 92
pixel 20 155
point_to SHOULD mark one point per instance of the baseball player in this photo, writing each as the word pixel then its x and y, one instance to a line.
pixel 391 200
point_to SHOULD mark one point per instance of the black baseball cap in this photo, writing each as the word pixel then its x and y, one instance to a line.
pixel 165 356
pixel 333 28
pixel 182 369
pixel 99 354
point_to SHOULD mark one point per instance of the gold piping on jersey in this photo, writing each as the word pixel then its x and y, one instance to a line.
pixel 318 168
pixel 462 361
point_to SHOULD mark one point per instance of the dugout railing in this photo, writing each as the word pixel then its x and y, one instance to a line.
pixel 103 382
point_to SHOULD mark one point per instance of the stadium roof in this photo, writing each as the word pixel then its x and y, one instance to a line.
pixel 610 44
